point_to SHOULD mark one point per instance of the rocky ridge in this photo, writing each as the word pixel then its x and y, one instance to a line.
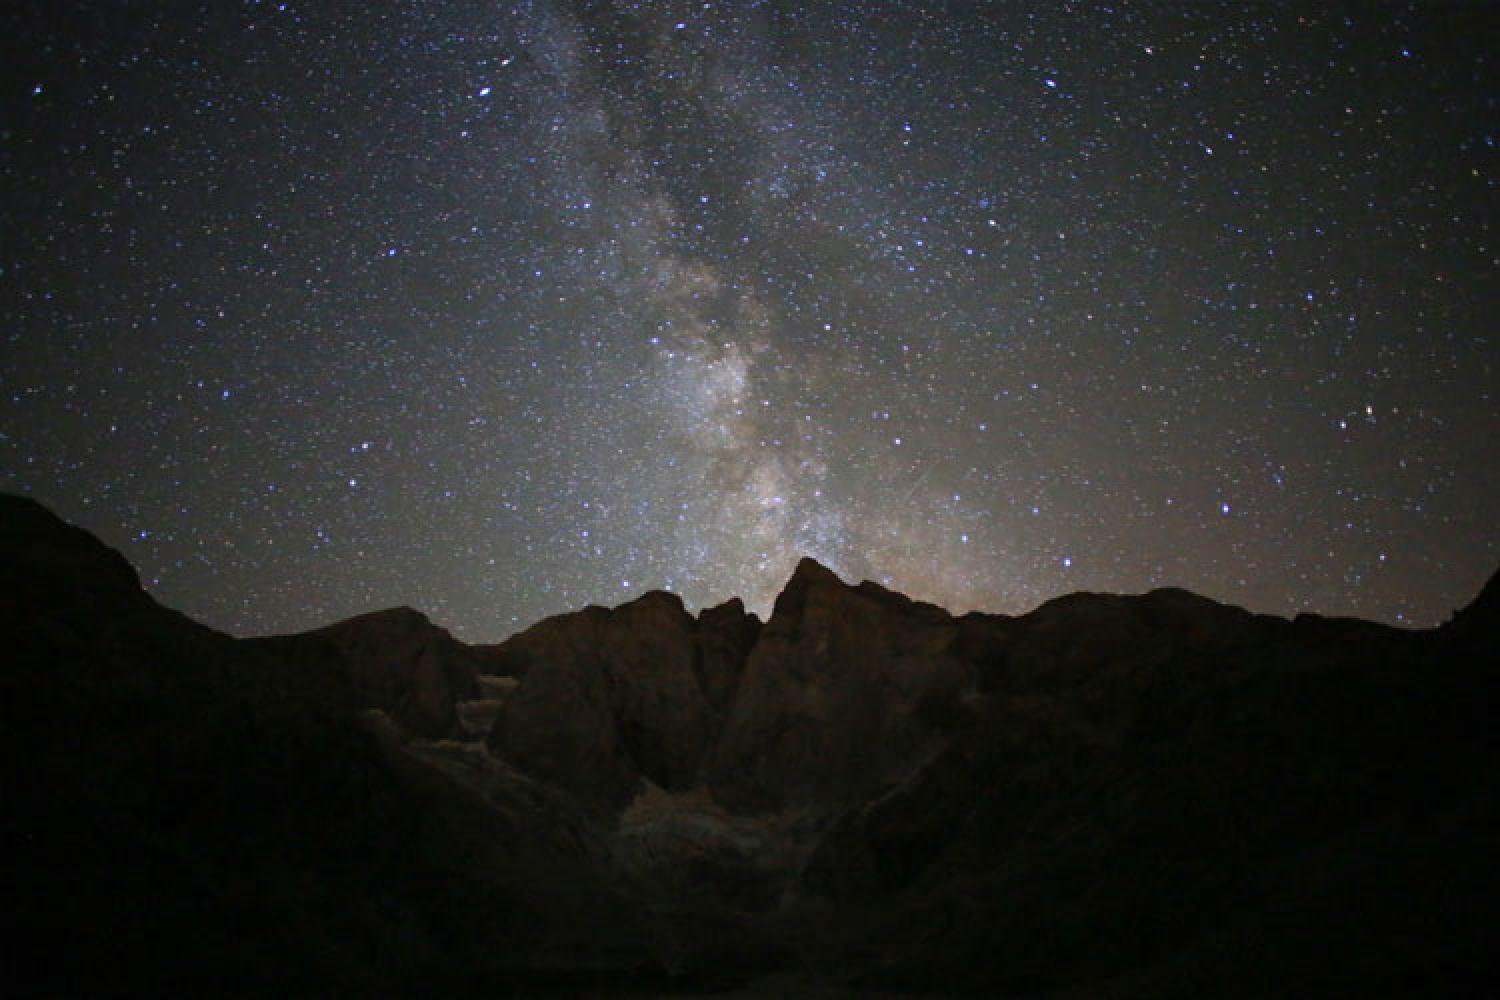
pixel 1133 795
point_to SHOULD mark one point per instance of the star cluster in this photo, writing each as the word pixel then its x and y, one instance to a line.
pixel 501 309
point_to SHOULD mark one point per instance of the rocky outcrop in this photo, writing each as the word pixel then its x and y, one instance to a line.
pixel 726 634
pixel 403 664
pixel 606 697
pixel 841 694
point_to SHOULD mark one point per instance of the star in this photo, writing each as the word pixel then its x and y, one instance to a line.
pixel 335 312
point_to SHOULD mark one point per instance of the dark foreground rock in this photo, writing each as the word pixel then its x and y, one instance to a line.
pixel 187 814
pixel 1163 796
pixel 1152 796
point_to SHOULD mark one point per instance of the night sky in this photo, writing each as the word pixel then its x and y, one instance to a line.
pixel 500 309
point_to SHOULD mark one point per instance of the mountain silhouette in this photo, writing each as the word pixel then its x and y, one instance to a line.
pixel 1149 795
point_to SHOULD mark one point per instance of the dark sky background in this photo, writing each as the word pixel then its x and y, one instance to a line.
pixel 499 309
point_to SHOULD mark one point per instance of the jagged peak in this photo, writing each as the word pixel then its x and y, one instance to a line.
pixel 732 608
pixel 733 604
pixel 651 597
pixel 810 569
pixel 808 574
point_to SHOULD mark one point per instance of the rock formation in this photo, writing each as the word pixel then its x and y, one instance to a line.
pixel 726 634
pixel 840 693
pixel 607 697
pixel 403 664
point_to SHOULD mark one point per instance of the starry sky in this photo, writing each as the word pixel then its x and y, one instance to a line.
pixel 500 309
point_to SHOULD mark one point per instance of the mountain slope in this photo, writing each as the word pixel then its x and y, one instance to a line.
pixel 184 811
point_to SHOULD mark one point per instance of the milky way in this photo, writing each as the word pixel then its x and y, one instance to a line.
pixel 497 310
